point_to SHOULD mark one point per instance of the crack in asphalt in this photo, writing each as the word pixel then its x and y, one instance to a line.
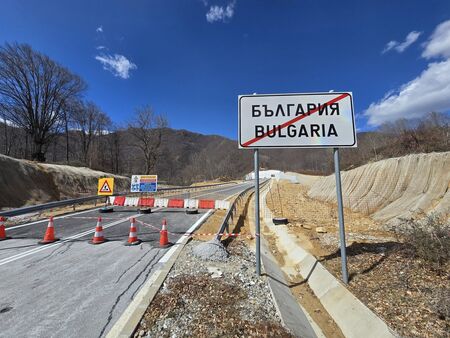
pixel 133 265
pixel 65 248
pixel 144 280
pixel 53 253
pixel 48 256
pixel 150 264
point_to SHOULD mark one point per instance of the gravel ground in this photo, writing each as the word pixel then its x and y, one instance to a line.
pixel 202 298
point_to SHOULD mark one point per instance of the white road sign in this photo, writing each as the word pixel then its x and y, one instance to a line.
pixel 312 120
pixel 144 183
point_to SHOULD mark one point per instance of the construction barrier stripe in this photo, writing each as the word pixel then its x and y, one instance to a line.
pixel 192 234
pixel 119 200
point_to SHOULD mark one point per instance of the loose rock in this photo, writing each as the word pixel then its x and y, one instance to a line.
pixel 212 251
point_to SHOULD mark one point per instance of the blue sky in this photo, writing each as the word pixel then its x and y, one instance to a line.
pixel 190 59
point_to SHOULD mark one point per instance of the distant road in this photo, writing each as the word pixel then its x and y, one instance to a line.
pixel 74 289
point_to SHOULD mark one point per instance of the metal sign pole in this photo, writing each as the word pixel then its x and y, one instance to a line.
pixel 337 173
pixel 257 225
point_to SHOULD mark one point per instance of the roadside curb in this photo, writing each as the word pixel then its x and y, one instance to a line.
pixel 130 318
pixel 353 317
pixel 292 314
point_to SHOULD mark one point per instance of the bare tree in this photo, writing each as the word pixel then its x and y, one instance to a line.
pixel 114 145
pixel 33 92
pixel 88 121
pixel 146 129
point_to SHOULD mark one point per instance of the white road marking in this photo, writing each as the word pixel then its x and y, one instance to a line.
pixel 55 218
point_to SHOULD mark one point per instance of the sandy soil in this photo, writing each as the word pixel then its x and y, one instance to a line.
pixel 211 226
pixel 25 183
pixel 236 222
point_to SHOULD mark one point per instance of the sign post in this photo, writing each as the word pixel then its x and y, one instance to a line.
pixel 337 173
pixel 304 120
pixel 257 224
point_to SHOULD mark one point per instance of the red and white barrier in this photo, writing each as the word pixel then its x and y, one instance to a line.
pixel 168 203
pixel 206 204
pixel 119 201
pixel 190 204
pixel 161 202
pixel 222 204
pixel 147 202
pixel 131 201
pixel 175 203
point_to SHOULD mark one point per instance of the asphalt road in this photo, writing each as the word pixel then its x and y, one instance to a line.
pixel 74 289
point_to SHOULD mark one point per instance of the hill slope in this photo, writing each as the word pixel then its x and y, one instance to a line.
pixel 24 182
pixel 392 188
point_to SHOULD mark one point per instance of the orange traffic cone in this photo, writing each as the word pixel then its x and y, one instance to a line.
pixel 2 229
pixel 132 238
pixel 163 238
pixel 49 236
pixel 98 235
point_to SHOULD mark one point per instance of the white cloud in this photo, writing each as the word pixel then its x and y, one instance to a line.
pixel 117 64
pixel 220 13
pixel 401 46
pixel 430 91
pixel 100 47
pixel 439 42
pixel 99 29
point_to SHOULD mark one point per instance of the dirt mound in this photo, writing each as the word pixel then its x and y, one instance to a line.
pixel 393 188
pixel 303 179
pixel 25 182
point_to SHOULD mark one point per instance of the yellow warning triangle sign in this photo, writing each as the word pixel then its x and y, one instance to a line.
pixel 105 187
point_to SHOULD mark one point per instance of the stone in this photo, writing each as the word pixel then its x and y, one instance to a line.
pixel 321 230
pixel 214 272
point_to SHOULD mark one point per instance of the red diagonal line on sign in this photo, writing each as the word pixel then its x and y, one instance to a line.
pixel 298 118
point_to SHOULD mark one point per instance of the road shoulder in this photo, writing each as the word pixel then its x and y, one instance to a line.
pixel 128 321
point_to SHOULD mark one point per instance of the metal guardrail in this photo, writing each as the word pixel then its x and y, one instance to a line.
pixel 74 201
pixel 232 209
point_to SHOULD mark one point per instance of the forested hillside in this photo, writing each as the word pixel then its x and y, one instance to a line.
pixel 183 157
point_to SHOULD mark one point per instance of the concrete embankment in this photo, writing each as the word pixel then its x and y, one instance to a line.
pixel 393 188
